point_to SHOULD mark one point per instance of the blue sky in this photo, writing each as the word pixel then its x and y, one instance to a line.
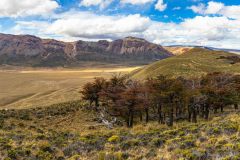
pixel 167 22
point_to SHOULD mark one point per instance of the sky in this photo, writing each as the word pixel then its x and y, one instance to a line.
pixel 166 22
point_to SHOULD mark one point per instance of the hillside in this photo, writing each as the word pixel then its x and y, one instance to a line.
pixel 178 50
pixel 27 50
pixel 72 131
pixel 196 62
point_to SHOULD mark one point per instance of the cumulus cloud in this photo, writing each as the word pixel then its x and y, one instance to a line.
pixel 136 2
pixel 21 8
pixel 160 5
pixel 207 31
pixel 231 11
pixel 101 3
pixel 214 7
pixel 212 31
pixel 90 25
pixel 211 8
pixel 217 8
pixel 37 28
pixel 200 8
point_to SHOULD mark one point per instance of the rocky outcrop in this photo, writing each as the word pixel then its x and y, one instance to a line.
pixel 34 51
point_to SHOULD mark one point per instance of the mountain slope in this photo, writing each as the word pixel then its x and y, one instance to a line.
pixel 178 50
pixel 33 51
pixel 196 62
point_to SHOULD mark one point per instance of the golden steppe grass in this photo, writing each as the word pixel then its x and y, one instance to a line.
pixel 27 87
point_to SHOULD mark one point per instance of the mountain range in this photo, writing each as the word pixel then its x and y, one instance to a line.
pixel 28 50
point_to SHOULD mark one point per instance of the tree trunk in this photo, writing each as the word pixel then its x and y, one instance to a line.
pixel 177 110
pixel 215 110
pixel 128 119
pixel 160 118
pixel 202 111
pixel 131 119
pixel 96 103
pixel 171 117
pixel 194 116
pixel 221 108
pixel 90 103
pixel 206 111
pixel 141 117
pixel 236 106
pixel 180 109
pixel 164 117
pixel 147 115
pixel 189 114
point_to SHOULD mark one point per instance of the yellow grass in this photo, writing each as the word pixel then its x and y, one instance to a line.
pixel 27 88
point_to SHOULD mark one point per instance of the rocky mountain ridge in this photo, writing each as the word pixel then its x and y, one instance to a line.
pixel 34 51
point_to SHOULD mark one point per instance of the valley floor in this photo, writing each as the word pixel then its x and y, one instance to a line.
pixel 72 131
pixel 30 87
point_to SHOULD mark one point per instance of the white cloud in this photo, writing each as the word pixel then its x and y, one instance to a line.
pixel 37 28
pixel 90 25
pixel 201 30
pixel 101 3
pixel 231 11
pixel 160 5
pixel 214 7
pixel 176 8
pixel 200 8
pixel 21 8
pixel 207 31
pixel 218 9
pixel 136 2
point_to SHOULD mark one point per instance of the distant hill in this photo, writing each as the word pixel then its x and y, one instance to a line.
pixel 29 50
pixel 178 50
pixel 181 49
pixel 236 51
pixel 195 62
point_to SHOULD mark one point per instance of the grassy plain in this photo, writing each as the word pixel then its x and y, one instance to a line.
pixel 28 87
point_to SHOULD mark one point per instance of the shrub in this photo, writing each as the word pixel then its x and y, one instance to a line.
pixel 114 138
pixel 101 155
pixel 173 141
pixel 44 155
pixel 110 156
pixel 231 127
pixel 158 142
pixel 1 122
pixel 24 116
pixel 75 157
pixel 214 131
pixel 187 154
pixel 12 154
pixel 45 146
pixel 187 144
pixel 130 143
